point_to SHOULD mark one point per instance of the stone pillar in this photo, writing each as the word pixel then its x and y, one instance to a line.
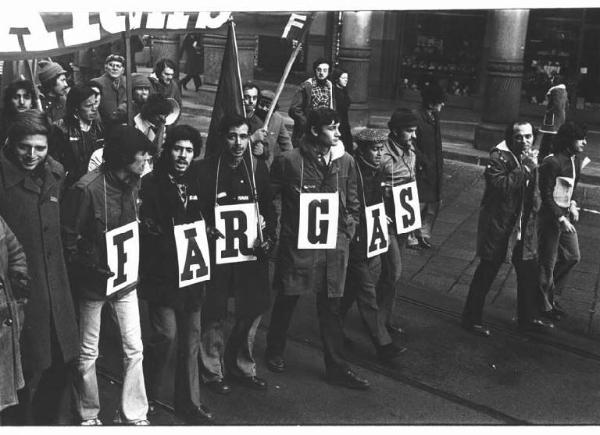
pixel 354 57
pixel 165 47
pixel 504 75
pixel 214 47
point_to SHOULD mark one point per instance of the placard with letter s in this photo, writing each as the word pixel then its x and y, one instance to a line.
pixel 318 220
pixel 122 256
pixel 407 211
pixel 192 253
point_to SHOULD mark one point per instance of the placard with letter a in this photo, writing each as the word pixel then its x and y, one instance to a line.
pixel 318 220
pixel 122 256
pixel 239 225
pixel 378 239
pixel 192 253
pixel 407 211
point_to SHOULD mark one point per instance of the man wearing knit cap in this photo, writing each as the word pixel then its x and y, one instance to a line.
pixel 140 85
pixel 278 138
pixel 364 272
pixel 397 167
pixel 113 106
pixel 54 89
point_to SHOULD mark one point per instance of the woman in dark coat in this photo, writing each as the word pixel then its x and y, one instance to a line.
pixel 342 104
pixel 194 63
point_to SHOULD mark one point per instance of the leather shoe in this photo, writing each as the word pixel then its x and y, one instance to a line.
pixel 347 378
pixel 275 363
pixel 219 387
pixel 551 315
pixel 197 415
pixel 476 328
pixel 253 382
pixel 558 309
pixel 394 329
pixel 538 325
pixel 389 352
pixel 424 242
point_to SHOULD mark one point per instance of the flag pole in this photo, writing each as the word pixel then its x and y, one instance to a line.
pixel 288 68
pixel 253 182
pixel 30 70
pixel 128 62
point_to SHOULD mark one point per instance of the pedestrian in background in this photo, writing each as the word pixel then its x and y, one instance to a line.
pixel 342 105
pixel 556 113
pixel 194 60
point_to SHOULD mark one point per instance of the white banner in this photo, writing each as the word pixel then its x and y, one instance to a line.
pixel 238 224
pixel 192 253
pixel 407 210
pixel 378 239
pixel 318 224
pixel 123 256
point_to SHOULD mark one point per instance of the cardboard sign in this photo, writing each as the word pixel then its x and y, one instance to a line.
pixel 377 230
pixel 123 256
pixel 407 211
pixel 239 225
pixel 318 225
pixel 192 253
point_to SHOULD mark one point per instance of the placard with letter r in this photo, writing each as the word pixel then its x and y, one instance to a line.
pixel 318 220
pixel 407 211
pixel 122 256
pixel 192 253
pixel 239 225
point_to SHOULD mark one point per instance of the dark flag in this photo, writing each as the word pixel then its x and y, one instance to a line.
pixel 229 100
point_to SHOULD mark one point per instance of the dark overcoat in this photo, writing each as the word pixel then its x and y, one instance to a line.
pixel 430 161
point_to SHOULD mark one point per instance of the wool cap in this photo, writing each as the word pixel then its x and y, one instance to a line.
pixel 48 70
pixel 370 136
pixel 270 95
pixel 139 81
pixel 115 58
pixel 402 118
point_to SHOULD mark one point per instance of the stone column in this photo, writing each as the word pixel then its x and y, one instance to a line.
pixel 214 47
pixel 165 47
pixel 354 57
pixel 504 75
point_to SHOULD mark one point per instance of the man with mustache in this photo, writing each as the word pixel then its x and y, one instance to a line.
pixel 169 197
pixel 54 87
pixel 18 97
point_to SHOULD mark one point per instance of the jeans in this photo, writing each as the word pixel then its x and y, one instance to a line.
pixel 174 332
pixel 558 254
pixel 391 272
pixel 134 404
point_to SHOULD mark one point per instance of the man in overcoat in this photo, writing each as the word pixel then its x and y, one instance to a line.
pixel 30 191
pixel 319 165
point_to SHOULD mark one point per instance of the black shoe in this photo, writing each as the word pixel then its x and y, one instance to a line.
pixel 347 378
pixel 424 242
pixel 476 328
pixel 551 315
pixel 560 311
pixel 394 329
pixel 196 415
pixel 219 387
pixel 275 363
pixel 253 382
pixel 389 352
pixel 536 325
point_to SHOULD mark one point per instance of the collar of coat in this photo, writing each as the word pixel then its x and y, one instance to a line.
pixel 14 175
pixel 310 149
pixel 503 147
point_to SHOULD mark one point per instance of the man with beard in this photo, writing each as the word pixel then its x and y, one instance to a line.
pixel 113 105
pixel 30 191
pixel 19 96
pixel 103 200
pixel 54 87
pixel 164 82
pixel 170 197
pixel 231 178
pixel 314 93
pixel 398 167
pixel 140 86
pixel 277 136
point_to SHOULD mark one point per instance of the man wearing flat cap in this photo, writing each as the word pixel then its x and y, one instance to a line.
pixel 54 89
pixel 278 138
pixel 113 105
pixel 397 167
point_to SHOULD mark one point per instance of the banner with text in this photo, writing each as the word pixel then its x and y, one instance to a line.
pixel 318 225
pixel 239 225
pixel 192 253
pixel 378 239
pixel 123 256
pixel 406 207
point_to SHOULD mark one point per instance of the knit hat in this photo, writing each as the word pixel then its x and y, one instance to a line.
pixel 139 81
pixel 369 136
pixel 48 70
pixel 122 143
pixel 270 95
pixel 115 58
pixel 402 118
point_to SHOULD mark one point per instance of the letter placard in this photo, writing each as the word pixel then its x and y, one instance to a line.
pixel 318 225
pixel 192 253
pixel 238 224
pixel 123 256
pixel 406 207
pixel 377 230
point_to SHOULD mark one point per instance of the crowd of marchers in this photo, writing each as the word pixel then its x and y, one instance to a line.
pixel 72 171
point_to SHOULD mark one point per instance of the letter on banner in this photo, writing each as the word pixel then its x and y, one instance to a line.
pixel 318 225
pixel 377 230
pixel 123 256
pixel 238 224
pixel 406 207
pixel 192 253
